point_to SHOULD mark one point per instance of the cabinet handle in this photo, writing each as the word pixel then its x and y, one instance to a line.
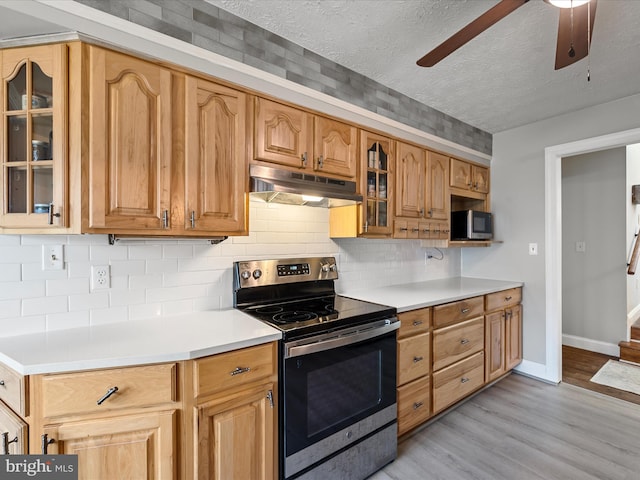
pixel 165 219
pixel 431 212
pixel 464 380
pixel 193 219
pixel 6 442
pixel 426 230
pixel 417 405
pixel 415 230
pixel 506 299
pixel 417 359
pixel 1 383
pixel 464 310
pixel 51 214
pixel 508 314
pixel 404 229
pixel 417 322
pixel 422 212
pixel 110 392
pixel 366 227
pixel 239 370
pixel 464 341
pixel 270 398
pixel 46 441
pixel 303 160
pixel 320 161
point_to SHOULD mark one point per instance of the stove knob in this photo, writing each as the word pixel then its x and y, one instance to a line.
pixel 325 268
pixel 246 274
pixel 257 273
pixel 333 267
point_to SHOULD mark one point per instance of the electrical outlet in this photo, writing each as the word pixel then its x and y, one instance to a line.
pixel 100 277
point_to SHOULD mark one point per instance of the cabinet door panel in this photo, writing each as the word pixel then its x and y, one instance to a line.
pixel 235 436
pixel 135 446
pixel 215 161
pixel 282 134
pixel 410 181
pixel 414 357
pixel 460 174
pixel 513 327
pixel 480 178
pixel 494 345
pixel 336 143
pixel 437 196
pixel 130 144
pixel 16 428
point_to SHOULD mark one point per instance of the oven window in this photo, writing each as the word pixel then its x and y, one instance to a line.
pixel 327 391
pixel 334 393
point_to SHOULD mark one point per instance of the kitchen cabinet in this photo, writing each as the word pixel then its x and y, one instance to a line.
pixel 469 176
pixel 422 194
pixel 121 422
pixel 503 342
pixel 413 378
pixel 236 434
pixel 300 140
pixel 13 432
pixel 33 143
pixel 139 178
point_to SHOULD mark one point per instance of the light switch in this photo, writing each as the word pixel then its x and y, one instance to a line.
pixel 52 257
pixel 533 249
pixel 581 247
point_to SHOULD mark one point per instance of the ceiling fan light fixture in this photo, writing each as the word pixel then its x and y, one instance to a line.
pixel 566 3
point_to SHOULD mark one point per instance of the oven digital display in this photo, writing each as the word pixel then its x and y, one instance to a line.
pixel 293 269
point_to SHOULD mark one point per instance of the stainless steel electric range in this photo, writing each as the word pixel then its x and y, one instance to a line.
pixel 337 368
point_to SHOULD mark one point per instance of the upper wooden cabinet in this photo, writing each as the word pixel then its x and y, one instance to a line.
pixel 468 176
pixel 139 179
pixel 33 139
pixel 129 163
pixel 298 139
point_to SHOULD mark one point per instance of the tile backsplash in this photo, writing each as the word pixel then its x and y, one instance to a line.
pixel 154 280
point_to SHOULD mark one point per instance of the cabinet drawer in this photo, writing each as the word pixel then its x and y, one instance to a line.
pixel 414 322
pixel 457 381
pixel 413 357
pixel 12 390
pixel 457 311
pixel 505 298
pixel 239 367
pixel 414 404
pixel 456 342
pixel 79 392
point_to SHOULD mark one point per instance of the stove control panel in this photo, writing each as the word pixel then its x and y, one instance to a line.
pixel 256 273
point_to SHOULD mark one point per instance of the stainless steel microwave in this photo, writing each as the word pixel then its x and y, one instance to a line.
pixel 471 225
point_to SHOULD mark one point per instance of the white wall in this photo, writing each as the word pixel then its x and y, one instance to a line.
pixel 518 202
pixel 594 283
pixel 156 280
pixel 633 227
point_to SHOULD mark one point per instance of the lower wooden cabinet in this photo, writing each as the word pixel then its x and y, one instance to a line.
pixel 16 431
pixel 457 381
pixel 414 404
pixel 235 435
pixel 128 446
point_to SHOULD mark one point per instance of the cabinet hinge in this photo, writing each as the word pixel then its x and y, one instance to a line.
pixel 270 398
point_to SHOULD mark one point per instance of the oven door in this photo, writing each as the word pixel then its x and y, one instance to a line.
pixel 337 390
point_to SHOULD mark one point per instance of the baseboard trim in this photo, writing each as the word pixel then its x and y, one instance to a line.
pixel 591 345
pixel 535 370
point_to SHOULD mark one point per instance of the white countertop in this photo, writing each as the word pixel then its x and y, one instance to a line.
pixel 162 339
pixel 410 296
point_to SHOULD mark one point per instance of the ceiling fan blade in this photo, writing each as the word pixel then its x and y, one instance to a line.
pixel 581 16
pixel 475 28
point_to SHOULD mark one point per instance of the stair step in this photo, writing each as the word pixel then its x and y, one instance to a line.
pixel 630 351
pixel 635 330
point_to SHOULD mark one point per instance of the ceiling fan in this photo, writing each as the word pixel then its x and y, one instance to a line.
pixel 574 28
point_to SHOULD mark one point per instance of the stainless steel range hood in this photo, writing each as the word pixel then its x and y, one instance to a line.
pixel 297 188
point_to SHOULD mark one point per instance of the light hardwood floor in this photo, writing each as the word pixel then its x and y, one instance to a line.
pixel 521 429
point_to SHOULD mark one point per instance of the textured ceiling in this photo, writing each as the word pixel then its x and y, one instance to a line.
pixel 503 78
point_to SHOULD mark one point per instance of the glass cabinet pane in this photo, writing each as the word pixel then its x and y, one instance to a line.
pixel 42 189
pixel 17 90
pixel 382 214
pixel 17 139
pixel 42 135
pixel 42 94
pixel 17 194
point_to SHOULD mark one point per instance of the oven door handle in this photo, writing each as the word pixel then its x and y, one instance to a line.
pixel 340 341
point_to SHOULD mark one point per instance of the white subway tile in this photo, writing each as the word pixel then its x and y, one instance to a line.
pixel 44 305
pixel 109 315
pixel 156 295
pixel 89 239
pixel 161 266
pixel 10 272
pixel 148 310
pixel 22 325
pixel 44 239
pixel 232 250
pixel 9 308
pixel 60 321
pixel 9 240
pixel 209 302
pixel 103 254
pixel 76 253
pixel 89 301
pixel 145 252
pixel 127 267
pixel 118 298
pixel 67 286
pixel 179 307
pixel 191 278
pixel 21 254
pixel 24 289
pixel 34 271
pixel 141 282
pixel 177 251
pixel 120 282
pixel 79 269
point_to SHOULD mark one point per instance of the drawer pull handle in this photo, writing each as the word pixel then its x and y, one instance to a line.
pixel 417 359
pixel 46 441
pixel 417 405
pixel 6 442
pixel 464 341
pixel 417 322
pixel 110 392
pixel 1 383
pixel 464 380
pixel 239 370
pixel 464 310
pixel 508 298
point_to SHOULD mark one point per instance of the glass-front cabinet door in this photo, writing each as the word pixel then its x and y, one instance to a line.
pixel 33 142
pixel 378 170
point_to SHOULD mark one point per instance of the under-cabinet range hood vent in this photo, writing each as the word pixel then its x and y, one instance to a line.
pixel 297 188
pixel 115 239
